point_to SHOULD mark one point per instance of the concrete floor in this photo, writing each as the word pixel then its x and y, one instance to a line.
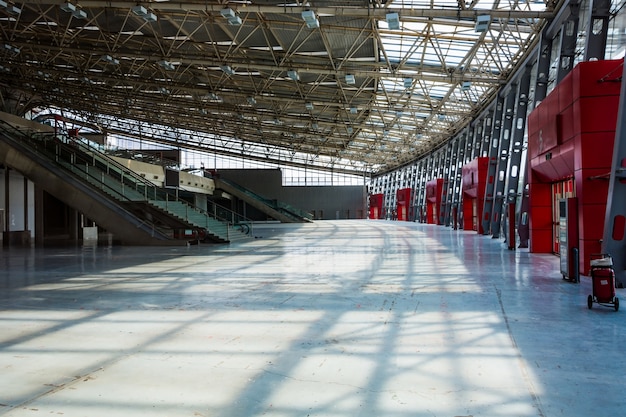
pixel 333 319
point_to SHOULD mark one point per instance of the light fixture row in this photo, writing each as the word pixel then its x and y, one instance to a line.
pixel 144 13
pixel 75 11
pixel 230 15
pixel 10 8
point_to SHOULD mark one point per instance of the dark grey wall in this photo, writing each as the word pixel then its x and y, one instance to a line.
pixel 325 202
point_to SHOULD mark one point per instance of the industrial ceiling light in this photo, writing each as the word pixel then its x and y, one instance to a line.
pixel 79 14
pixel 466 85
pixel 354 110
pixel 230 15
pixel 13 49
pixel 139 10
pixel 308 105
pixel 251 101
pixel 393 21
pixel 166 65
pixel 350 79
pixel 227 69
pixel 11 8
pixel 293 74
pixel 408 82
pixel 109 59
pixel 482 22
pixel 144 13
pixel 68 7
pixel 310 19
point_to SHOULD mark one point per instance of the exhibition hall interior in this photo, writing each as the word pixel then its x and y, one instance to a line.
pixel 312 208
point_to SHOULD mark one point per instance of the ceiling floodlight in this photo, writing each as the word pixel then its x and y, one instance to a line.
pixel 482 22
pixel 227 69
pixel 144 13
pixel 230 15
pixel 350 79
pixel 293 74
pixel 166 65
pixel 251 101
pixel 164 90
pixel 393 21
pixel 110 59
pixel 466 85
pixel 79 14
pixel 150 17
pixel 10 48
pixel 310 19
pixel 12 9
pixel 68 7
pixel 408 82
pixel 139 10
pixel 354 110
pixel 308 105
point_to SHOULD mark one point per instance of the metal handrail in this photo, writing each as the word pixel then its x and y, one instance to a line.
pixel 79 151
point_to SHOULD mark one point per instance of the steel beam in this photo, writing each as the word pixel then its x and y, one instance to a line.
pixel 613 241
pixel 492 153
pixel 597 29
pixel 569 36
pixel 517 143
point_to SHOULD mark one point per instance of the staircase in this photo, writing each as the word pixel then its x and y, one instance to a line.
pixel 275 209
pixel 109 193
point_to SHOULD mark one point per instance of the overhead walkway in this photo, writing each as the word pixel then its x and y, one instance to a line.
pixel 278 210
pixel 117 199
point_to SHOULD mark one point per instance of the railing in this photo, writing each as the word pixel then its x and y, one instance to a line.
pixel 73 155
pixel 279 205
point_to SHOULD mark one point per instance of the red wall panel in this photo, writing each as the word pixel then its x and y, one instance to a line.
pixel 596 78
pixel 591 221
pixel 588 100
pixel 594 114
pixel 566 93
pixel 568 125
pixel 434 190
pixel 376 206
pixel 403 202
pixel 595 150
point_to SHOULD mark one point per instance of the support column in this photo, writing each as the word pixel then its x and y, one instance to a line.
pixel 503 159
pixel 541 90
pixel 7 206
pixel 597 29
pixel 492 153
pixel 447 153
pixel 462 160
pixel 613 239
pixel 569 35
pixel 517 143
pixel 452 179
pixel 39 211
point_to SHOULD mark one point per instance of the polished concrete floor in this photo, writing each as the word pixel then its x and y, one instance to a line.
pixel 333 319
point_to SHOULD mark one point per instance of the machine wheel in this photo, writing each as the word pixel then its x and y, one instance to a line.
pixel 616 304
pixel 589 302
